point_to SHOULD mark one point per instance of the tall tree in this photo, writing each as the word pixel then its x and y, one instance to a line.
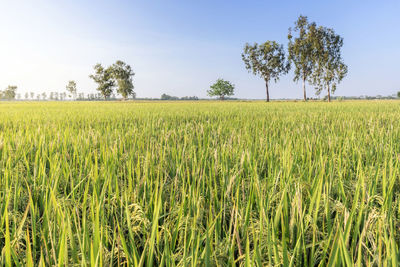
pixel 71 88
pixel 10 92
pixel 123 74
pixel 104 79
pixel 266 60
pixel 221 88
pixel 302 51
pixel 330 69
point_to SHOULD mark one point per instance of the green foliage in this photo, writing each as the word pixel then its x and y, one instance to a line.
pixel 123 74
pixel 104 79
pixel 302 52
pixel 211 183
pixel 266 60
pixel 71 88
pixel 168 97
pixel 398 94
pixel 221 88
pixel 330 69
pixel 189 98
pixel 119 74
pixel 9 93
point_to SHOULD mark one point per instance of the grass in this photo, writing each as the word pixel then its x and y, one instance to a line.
pixel 201 183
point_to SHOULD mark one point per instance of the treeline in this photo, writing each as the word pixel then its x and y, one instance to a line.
pixel 8 94
pixel 367 97
pixel 169 97
pixel 113 79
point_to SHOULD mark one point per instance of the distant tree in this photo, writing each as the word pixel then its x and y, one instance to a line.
pixel 302 50
pixel 330 69
pixel 32 95
pixel 104 79
pixel 44 96
pixel 189 98
pixel 63 95
pixel 26 95
pixel 51 95
pixel 123 73
pixel 71 88
pixel 221 88
pixel 56 95
pixel 38 97
pixel 398 94
pixel 9 93
pixel 266 60
pixel 169 97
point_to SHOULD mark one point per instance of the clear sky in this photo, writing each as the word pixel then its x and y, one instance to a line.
pixel 181 47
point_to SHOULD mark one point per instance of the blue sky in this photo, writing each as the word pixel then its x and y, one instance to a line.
pixel 181 47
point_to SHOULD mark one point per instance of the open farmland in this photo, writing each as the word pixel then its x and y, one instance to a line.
pixel 199 183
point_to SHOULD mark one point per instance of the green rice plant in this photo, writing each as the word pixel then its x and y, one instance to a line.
pixel 200 183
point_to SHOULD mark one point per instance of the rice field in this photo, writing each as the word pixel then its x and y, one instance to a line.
pixel 200 183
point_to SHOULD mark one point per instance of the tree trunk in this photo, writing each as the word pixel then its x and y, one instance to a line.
pixel 329 94
pixel 222 97
pixel 266 88
pixel 304 89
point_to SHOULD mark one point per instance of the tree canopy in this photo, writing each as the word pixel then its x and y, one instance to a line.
pixel 119 74
pixel 9 93
pixel 123 73
pixel 221 88
pixel 301 50
pixel 104 79
pixel 330 68
pixel 71 88
pixel 266 60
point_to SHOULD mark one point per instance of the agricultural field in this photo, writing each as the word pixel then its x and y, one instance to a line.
pixel 200 183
